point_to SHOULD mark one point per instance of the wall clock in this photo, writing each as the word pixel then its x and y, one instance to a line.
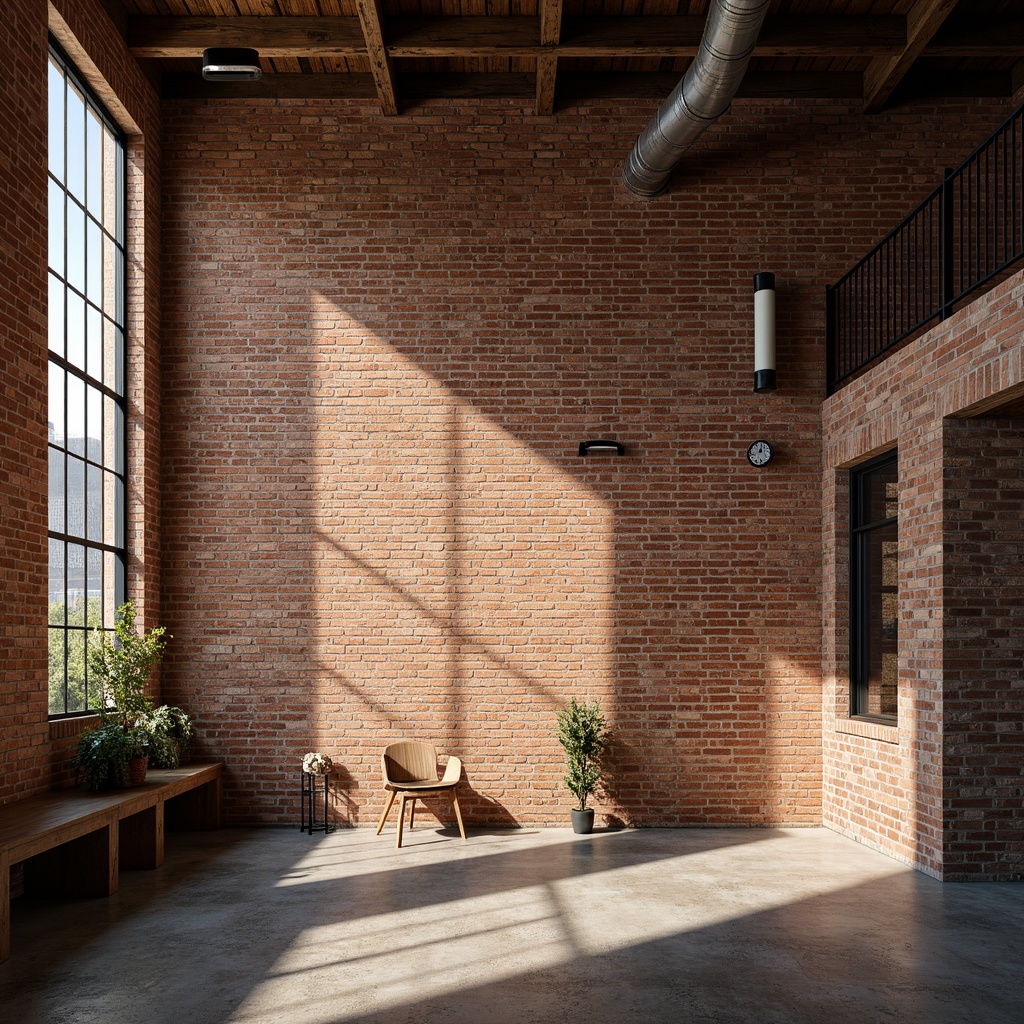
pixel 760 453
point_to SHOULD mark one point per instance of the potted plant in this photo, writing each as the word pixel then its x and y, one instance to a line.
pixel 169 730
pixel 116 752
pixel 583 735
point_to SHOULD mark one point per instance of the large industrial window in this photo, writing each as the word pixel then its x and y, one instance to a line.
pixel 874 592
pixel 86 314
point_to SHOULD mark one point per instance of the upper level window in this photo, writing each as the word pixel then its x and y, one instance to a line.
pixel 86 315
pixel 874 589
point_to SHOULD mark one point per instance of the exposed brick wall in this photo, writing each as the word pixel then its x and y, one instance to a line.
pixel 983 643
pixel 34 754
pixel 384 340
pixel 900 788
pixel 24 741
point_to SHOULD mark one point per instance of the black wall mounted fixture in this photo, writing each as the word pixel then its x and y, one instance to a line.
pixel 604 446
pixel 764 332
pixel 231 64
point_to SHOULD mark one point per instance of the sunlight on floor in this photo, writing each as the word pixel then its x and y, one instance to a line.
pixel 444 946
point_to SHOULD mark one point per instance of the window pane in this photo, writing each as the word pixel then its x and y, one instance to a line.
pixel 119 520
pixel 94 262
pixel 110 509
pixel 882 624
pixel 109 432
pixel 76 498
pixel 55 315
pixel 76 330
pixel 75 414
pixel 111 602
pixel 56 486
pixel 56 673
pixel 119 360
pixel 57 427
pixel 94 505
pixel 55 216
pixel 119 440
pixel 76 142
pixel 94 342
pixel 94 578
pixel 76 670
pixel 76 246
pixel 56 121
pixel 56 585
pixel 94 423
pixel 94 164
pixel 879 494
pixel 76 584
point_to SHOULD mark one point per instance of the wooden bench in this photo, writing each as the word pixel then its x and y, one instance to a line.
pixel 74 843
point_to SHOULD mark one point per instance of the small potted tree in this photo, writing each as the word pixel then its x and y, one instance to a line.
pixel 583 735
pixel 116 752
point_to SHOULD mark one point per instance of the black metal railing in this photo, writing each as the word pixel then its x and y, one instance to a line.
pixel 963 236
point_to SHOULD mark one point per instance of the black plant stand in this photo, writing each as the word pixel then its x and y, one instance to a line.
pixel 310 802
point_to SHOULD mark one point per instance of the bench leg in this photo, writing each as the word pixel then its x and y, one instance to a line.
pixel 5 906
pixel 86 866
pixel 142 838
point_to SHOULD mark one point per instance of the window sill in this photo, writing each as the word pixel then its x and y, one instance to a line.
pixel 64 728
pixel 869 730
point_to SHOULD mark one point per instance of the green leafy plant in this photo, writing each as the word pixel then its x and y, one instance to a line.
pixel 169 730
pixel 104 755
pixel 584 736
pixel 120 664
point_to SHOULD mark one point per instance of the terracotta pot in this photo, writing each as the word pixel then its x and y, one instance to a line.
pixel 137 767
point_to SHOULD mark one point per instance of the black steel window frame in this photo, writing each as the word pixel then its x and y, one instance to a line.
pixel 861 594
pixel 107 462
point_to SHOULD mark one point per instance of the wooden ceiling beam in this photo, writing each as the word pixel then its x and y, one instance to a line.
pixel 972 36
pixel 884 74
pixel 371 20
pixel 273 37
pixel 550 12
pixel 653 86
pixel 474 36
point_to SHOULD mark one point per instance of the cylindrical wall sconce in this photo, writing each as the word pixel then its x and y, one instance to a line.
pixel 764 332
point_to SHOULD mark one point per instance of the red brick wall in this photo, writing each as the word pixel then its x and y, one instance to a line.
pixel 34 753
pixel 23 730
pixel 385 339
pixel 912 790
pixel 983 646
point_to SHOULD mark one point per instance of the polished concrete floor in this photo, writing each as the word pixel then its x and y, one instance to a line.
pixel 694 925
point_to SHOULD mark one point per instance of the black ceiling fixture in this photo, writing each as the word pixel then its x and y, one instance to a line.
pixel 231 64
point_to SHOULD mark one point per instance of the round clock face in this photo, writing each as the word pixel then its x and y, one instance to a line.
pixel 759 453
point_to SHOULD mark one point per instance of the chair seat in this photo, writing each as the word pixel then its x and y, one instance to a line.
pixel 421 787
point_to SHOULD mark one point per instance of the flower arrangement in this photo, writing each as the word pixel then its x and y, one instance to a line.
pixel 315 763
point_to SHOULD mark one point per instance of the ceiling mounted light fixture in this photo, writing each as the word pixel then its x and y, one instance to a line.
pixel 231 64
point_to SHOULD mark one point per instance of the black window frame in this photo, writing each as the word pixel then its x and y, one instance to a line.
pixel 104 308
pixel 863 588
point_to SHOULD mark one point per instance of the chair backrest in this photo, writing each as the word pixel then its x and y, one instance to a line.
pixel 409 761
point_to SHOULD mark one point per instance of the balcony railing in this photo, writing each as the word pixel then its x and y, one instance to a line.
pixel 963 236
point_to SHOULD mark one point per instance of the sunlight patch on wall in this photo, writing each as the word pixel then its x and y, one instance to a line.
pixel 456 572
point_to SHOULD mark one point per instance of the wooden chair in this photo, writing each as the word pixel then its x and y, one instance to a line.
pixel 410 773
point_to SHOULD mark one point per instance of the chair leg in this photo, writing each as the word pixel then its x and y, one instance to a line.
pixel 458 813
pixel 384 816
pixel 412 812
pixel 401 819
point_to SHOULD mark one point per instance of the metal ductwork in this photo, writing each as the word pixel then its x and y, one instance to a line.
pixel 701 97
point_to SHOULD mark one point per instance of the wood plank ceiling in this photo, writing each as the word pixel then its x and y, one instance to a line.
pixel 544 52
